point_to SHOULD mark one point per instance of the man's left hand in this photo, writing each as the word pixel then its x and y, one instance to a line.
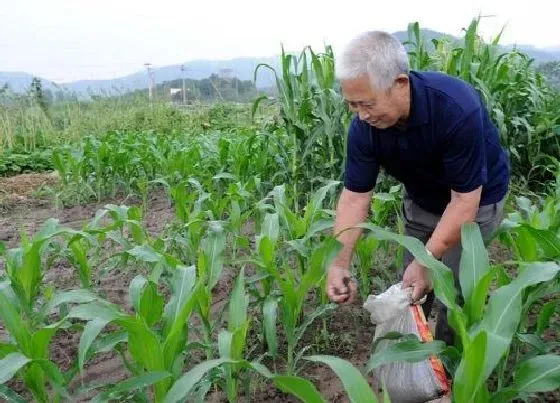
pixel 417 276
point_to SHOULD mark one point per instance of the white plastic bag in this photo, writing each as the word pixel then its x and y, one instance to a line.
pixel 405 382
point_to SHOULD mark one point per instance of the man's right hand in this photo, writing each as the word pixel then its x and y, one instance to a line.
pixel 340 286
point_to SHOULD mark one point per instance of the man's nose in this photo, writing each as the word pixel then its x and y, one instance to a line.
pixel 362 114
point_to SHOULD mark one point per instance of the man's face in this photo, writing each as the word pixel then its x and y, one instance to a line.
pixel 381 109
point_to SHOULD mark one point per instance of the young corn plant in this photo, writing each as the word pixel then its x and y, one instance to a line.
pixel 484 330
pixel 232 342
pixel 210 266
pixel 156 334
pixel 25 311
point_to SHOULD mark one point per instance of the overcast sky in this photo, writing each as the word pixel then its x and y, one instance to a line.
pixel 66 40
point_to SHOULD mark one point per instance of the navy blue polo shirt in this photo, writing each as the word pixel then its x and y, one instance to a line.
pixel 448 143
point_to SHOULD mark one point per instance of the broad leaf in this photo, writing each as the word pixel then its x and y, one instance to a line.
pixel 354 383
pixel 441 275
pixel 543 321
pixel 469 376
pixel 409 350
pixel 183 386
pixel 474 264
pixel 90 333
pixel 504 310
pixel 135 383
pixel 538 374
pixel 269 318
pixel 145 253
pixel 11 364
pixel 10 396
pixel 299 387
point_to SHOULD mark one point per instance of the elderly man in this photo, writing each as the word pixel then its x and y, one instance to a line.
pixel 432 133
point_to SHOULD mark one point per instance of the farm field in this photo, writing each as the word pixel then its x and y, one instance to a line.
pixel 182 256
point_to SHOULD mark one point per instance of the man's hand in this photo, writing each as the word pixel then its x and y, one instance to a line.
pixel 340 286
pixel 417 276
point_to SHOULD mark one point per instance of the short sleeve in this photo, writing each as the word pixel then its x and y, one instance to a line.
pixel 465 155
pixel 362 167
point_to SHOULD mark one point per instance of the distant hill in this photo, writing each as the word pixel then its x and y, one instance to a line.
pixel 20 82
pixel 242 68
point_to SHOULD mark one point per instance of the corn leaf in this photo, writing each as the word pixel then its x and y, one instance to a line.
pixel 183 386
pixel 10 396
pixel 354 383
pixel 12 321
pixel 469 375
pixel 473 267
pixel 543 321
pixel 299 387
pixel 504 310
pixel 441 275
pixel 11 364
pixel 538 374
pixel 269 316
pixel 409 350
pixel 128 385
pixel 89 334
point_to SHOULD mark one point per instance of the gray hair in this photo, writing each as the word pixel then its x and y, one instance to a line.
pixel 377 54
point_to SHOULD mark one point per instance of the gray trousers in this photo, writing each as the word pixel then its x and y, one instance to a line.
pixel 420 224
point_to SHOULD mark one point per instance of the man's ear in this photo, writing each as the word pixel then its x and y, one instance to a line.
pixel 402 80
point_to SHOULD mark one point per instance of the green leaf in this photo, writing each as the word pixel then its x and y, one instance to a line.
pixel 10 396
pixel 135 291
pixel 548 241
pixel 469 376
pixel 299 387
pixel 526 245
pixel 269 316
pixel 12 321
pixel 128 385
pixel 321 258
pixel 90 333
pixel 213 247
pixel 270 227
pixel 68 297
pixel 543 321
pixel 183 386
pixel 310 317
pixel 441 275
pixel 538 374
pixel 314 206
pixel 533 340
pixel 145 253
pixel 79 248
pixel 354 383
pixel 182 284
pixel 41 339
pixel 151 304
pixel 319 226
pixel 473 267
pixel 408 350
pixel 238 303
pixel 94 311
pixel 504 310
pixel 11 364
pixel 474 307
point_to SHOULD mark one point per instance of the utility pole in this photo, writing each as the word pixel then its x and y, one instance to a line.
pixel 184 90
pixel 151 81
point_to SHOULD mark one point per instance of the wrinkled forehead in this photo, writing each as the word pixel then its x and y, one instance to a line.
pixel 358 89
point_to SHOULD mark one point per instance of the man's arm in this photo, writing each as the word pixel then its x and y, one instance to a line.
pixel 462 208
pixel 352 209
